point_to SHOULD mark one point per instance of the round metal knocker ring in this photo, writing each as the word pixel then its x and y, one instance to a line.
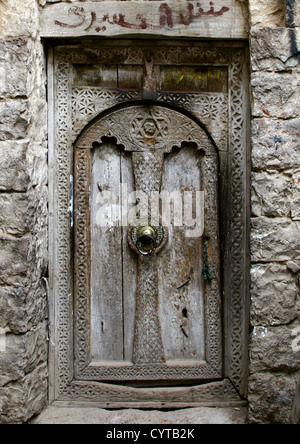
pixel 146 237
pixel 146 244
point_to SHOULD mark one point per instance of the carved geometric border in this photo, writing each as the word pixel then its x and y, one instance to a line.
pixel 61 261
pixel 210 108
pixel 238 249
pixel 107 395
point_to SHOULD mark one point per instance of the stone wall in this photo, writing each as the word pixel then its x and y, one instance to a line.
pixel 23 213
pixel 275 234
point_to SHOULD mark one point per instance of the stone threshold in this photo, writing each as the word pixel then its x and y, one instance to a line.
pixel 88 415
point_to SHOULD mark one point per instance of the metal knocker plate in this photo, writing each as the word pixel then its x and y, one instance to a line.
pixel 146 237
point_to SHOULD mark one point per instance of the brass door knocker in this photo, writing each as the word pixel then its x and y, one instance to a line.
pixel 146 237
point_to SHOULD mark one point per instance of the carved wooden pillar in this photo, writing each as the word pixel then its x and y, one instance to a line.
pixel 148 346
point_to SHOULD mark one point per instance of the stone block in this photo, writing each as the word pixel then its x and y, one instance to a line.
pixel 18 18
pixel 38 223
pixel 295 416
pixel 275 296
pixel 273 49
pixel 275 95
pixel 13 313
pixel 275 144
pixel 297 13
pixel 267 13
pixel 23 353
pixel 293 267
pixel 12 403
pixel 274 240
pixel 15 117
pixel 271 397
pixel 14 166
pixel 36 388
pixel 292 13
pixel 16 67
pixel 37 159
pixel 24 398
pixel 22 308
pixel 55 415
pixel 272 349
pixel 271 194
pixel 13 260
pixel 296 195
pixel 23 213
pixel 14 218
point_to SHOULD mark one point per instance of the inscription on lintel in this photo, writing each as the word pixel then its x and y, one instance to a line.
pixel 176 18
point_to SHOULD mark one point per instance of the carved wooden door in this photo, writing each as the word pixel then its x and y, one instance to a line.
pixel 148 223
pixel 146 260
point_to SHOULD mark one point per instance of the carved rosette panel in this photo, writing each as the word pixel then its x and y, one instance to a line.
pixel 75 107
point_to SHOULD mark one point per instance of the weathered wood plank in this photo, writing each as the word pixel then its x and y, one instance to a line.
pixel 191 79
pixel 113 264
pixel 181 292
pixel 214 394
pixel 106 256
pixel 218 19
pixel 149 405
pixel 105 76
pixel 129 259
pixel 130 77
pixel 183 79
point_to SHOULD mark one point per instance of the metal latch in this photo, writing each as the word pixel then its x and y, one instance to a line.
pixel 149 86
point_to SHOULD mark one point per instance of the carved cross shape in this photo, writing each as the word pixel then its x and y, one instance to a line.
pixel 150 132
pixel 148 346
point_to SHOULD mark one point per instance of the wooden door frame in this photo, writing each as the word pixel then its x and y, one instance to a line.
pixel 231 389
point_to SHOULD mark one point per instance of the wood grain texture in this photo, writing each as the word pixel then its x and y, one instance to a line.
pixel 106 257
pixel 180 265
pixel 218 19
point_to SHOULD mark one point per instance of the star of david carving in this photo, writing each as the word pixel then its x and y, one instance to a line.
pixel 150 130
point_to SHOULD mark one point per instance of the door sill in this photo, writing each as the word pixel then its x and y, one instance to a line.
pixel 59 414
